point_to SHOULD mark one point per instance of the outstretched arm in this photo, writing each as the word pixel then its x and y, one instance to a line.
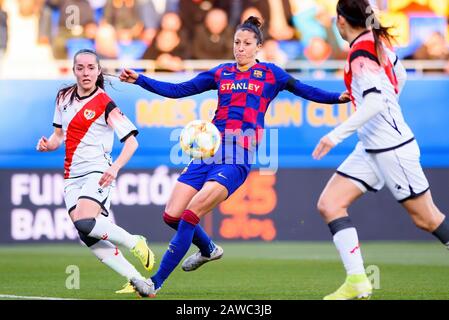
pixel 202 82
pixel 315 94
pixel 287 82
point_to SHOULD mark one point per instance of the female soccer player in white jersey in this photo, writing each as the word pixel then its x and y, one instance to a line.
pixel 387 152
pixel 85 119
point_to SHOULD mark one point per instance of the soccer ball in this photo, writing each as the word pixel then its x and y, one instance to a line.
pixel 200 139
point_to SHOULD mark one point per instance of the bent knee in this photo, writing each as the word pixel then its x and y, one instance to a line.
pixel 85 226
pixel 169 219
pixel 329 208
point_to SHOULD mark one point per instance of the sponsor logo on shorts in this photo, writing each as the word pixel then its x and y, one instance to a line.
pixel 221 175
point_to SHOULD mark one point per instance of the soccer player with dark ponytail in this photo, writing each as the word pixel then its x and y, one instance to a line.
pixel 387 152
pixel 85 120
pixel 245 90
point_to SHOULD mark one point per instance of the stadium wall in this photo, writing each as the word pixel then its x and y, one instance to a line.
pixel 280 206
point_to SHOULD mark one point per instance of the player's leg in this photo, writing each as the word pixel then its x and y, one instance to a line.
pixel 93 202
pixel 203 202
pixel 222 181
pixel 106 252
pixel 180 197
pixel 354 177
pixel 231 176
pixel 428 217
pixel 408 183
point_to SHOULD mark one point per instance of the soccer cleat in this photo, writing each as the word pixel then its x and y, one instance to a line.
pixel 197 260
pixel 145 288
pixel 127 288
pixel 356 287
pixel 143 253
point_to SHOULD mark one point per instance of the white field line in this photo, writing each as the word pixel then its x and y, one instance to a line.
pixel 10 296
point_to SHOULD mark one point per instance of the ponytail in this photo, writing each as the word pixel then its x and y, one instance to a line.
pixel 359 14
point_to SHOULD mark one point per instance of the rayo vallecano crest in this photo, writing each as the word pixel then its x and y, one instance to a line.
pixel 89 114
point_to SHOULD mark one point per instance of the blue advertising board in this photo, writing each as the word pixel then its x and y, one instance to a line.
pixel 293 125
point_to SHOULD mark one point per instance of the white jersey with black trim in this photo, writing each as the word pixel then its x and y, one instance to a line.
pixel 89 124
pixel 365 75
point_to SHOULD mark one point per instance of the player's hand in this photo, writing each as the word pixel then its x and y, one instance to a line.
pixel 345 97
pixel 323 147
pixel 109 176
pixel 42 144
pixel 128 75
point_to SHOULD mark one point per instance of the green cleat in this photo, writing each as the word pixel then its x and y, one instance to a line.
pixel 143 253
pixel 356 287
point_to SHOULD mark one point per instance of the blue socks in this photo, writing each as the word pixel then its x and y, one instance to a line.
pixel 200 238
pixel 178 247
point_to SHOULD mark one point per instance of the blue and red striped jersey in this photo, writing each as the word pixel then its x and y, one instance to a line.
pixel 243 96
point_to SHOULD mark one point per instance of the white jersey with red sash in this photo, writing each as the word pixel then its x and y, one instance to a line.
pixel 89 124
pixel 365 74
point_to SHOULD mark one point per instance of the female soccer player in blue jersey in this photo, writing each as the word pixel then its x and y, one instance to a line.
pixel 245 89
pixel 387 153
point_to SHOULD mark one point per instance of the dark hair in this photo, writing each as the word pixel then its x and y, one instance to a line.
pixel 62 93
pixel 253 24
pixel 360 14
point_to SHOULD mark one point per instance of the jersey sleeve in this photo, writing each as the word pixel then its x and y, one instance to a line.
pixel 122 126
pixel 204 81
pixel 287 82
pixel 57 117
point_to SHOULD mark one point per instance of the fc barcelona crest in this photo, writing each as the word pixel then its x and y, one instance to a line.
pixel 89 114
pixel 258 74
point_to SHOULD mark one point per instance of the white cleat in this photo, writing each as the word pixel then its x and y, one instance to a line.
pixel 197 260
pixel 145 288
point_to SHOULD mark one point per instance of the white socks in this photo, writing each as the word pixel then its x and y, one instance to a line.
pixel 109 254
pixel 347 243
pixel 106 230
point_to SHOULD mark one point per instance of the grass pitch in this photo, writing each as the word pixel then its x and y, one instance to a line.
pixel 247 271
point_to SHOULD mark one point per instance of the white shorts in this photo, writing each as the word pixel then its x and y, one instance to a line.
pixel 400 169
pixel 87 187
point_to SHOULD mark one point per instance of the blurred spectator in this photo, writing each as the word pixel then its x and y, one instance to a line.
pixel 24 57
pixel 169 47
pixel 193 12
pixel 213 39
pixel 280 22
pixel 3 30
pixel 171 21
pixel 339 48
pixel 434 48
pixel 106 42
pixel 151 12
pixel 45 23
pixel 277 16
pixel 318 50
pixel 124 16
pixel 305 20
pixel 271 52
pixel 76 20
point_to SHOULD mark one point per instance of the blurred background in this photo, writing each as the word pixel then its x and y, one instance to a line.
pixel 173 40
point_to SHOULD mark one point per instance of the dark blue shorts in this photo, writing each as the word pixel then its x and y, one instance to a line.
pixel 228 171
